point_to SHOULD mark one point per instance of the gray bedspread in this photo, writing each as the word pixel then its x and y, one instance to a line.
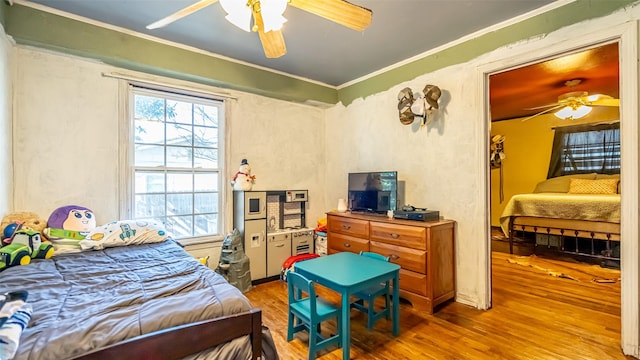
pixel 88 300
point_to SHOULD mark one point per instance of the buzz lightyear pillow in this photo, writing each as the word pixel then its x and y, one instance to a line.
pixel 67 225
pixel 123 233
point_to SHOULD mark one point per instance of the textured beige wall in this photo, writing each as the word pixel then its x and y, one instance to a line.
pixel 6 74
pixel 66 135
pixel 66 138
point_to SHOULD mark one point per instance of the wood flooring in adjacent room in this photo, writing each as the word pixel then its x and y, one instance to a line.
pixel 535 316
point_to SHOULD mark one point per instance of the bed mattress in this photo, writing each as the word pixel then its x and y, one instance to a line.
pixel 599 207
pixel 88 300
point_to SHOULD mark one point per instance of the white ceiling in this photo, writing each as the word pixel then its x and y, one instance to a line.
pixel 317 49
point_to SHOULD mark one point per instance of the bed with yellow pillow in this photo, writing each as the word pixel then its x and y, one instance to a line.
pixel 584 206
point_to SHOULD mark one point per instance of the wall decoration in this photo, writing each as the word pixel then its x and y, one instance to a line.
pixel 423 106
pixel 496 158
pixel 405 100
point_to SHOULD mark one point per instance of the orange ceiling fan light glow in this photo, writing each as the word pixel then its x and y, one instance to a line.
pixel 571 113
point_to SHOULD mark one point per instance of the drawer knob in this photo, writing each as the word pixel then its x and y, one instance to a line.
pixel 394 257
pixel 347 245
pixel 395 236
pixel 346 227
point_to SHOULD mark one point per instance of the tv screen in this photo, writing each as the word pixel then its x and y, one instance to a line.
pixel 373 192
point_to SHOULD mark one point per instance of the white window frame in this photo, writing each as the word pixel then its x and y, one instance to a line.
pixel 127 168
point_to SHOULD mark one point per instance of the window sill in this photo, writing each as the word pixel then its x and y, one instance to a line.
pixel 200 240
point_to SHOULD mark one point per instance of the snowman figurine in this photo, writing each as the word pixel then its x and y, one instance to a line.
pixel 243 180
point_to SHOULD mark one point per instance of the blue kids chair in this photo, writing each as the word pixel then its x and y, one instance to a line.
pixel 307 313
pixel 370 294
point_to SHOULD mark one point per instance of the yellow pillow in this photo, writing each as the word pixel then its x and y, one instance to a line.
pixel 601 186
pixel 560 184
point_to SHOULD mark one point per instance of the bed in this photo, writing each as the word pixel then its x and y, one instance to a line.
pixel 139 301
pixel 574 220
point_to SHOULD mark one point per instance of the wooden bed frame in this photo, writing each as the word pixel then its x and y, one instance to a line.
pixel 180 341
pixel 568 228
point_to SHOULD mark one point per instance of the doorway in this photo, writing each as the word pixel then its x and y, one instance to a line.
pixel 626 36
pixel 555 122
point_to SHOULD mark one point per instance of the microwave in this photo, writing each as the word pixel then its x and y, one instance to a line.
pixel 254 204
pixel 296 196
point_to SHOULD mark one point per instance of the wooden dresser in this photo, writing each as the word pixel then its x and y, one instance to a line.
pixel 424 250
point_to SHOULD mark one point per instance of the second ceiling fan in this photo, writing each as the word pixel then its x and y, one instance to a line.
pixel 267 17
pixel 575 104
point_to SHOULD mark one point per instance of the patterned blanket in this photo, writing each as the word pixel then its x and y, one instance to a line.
pixel 562 206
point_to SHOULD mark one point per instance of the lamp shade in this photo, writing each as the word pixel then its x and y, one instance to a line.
pixel 272 11
pixel 238 13
pixel 569 112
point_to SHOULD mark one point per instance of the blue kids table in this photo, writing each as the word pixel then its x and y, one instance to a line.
pixel 348 273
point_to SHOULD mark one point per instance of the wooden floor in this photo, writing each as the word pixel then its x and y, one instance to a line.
pixel 534 316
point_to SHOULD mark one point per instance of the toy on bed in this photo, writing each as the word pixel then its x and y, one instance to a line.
pixel 67 225
pixel 243 180
pixel 27 220
pixel 15 314
pixel 14 254
pixel 21 240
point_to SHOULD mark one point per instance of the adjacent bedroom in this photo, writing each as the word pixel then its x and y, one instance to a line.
pixel 555 175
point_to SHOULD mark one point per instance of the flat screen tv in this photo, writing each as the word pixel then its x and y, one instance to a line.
pixel 373 192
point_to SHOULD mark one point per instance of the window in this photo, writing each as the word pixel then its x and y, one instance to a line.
pixel 176 162
pixel 585 149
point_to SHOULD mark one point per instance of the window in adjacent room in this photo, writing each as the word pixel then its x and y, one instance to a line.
pixel 176 162
pixel 585 149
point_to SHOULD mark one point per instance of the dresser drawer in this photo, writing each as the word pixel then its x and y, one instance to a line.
pixel 413 282
pixel 402 235
pixel 410 259
pixel 347 226
pixel 340 242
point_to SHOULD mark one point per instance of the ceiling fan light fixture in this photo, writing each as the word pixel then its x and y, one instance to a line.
pixel 272 11
pixel 238 13
pixel 594 97
pixel 273 23
pixel 570 113
pixel 241 21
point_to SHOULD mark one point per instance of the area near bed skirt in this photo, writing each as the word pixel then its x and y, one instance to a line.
pixel 605 208
pixel 88 300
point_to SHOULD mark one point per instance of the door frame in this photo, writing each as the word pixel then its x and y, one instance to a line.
pixel 626 34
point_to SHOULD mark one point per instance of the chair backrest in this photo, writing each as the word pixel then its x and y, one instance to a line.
pixel 298 287
pixel 374 255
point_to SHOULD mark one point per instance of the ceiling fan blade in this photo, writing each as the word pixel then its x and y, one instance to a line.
pixel 541 106
pixel 180 14
pixel 605 102
pixel 272 41
pixel 543 112
pixel 339 11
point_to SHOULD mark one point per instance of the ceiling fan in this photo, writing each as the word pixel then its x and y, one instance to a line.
pixel 575 104
pixel 268 19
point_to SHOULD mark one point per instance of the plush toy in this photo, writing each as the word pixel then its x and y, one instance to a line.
pixel 22 240
pixel 26 219
pixel 243 180
pixel 24 245
pixel 70 222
